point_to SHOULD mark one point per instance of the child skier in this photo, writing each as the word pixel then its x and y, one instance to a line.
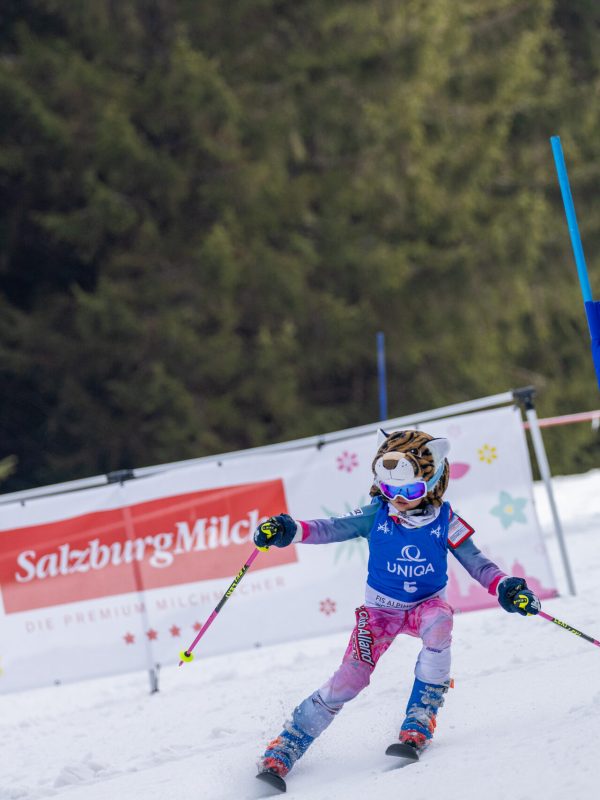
pixel 409 528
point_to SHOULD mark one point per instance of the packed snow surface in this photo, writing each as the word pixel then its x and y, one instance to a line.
pixel 522 722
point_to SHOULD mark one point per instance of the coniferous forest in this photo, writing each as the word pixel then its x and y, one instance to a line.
pixel 209 208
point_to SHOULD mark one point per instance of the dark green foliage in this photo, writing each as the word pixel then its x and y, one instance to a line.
pixel 208 210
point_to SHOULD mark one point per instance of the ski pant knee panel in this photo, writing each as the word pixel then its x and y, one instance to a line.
pixel 433 666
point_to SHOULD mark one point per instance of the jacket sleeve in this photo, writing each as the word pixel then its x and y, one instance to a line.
pixel 337 529
pixel 478 566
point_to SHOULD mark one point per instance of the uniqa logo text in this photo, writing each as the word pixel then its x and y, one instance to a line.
pixel 408 570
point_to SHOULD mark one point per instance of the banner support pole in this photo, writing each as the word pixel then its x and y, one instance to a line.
pixel 153 675
pixel 525 398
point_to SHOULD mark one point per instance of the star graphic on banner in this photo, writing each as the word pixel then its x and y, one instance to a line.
pixel 129 638
pixel 197 626
pixel 437 531
pixel 152 634
pixel 175 631
pixel 383 526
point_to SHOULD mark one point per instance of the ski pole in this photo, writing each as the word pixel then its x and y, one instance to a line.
pixel 568 628
pixel 186 655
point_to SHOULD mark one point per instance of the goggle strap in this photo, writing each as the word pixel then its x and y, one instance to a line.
pixel 431 483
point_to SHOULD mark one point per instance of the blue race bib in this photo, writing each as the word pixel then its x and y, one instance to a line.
pixel 408 564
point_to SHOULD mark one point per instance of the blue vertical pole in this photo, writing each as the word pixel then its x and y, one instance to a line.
pixel 383 407
pixel 592 308
pixel 565 189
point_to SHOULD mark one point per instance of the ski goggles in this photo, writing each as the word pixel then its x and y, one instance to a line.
pixel 415 490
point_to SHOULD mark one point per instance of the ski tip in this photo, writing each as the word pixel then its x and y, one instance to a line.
pixel 273 780
pixel 401 750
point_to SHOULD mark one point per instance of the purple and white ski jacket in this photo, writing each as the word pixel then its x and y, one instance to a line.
pixel 407 554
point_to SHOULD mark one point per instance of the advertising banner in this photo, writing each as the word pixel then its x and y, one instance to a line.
pixel 121 577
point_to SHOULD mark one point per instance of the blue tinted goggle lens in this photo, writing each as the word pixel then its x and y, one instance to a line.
pixel 409 491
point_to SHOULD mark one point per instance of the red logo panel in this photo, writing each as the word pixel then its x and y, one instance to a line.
pixel 164 542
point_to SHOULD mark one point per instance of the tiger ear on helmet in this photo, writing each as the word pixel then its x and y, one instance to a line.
pixel 381 436
pixel 439 449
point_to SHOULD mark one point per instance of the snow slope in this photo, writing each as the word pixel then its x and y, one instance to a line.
pixel 523 721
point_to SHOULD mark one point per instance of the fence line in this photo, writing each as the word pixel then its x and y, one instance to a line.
pixel 567 419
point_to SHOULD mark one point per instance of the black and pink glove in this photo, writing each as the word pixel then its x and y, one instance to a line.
pixel 513 595
pixel 276 531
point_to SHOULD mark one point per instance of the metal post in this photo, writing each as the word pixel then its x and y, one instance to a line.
pixel 153 667
pixel 526 398
pixel 153 675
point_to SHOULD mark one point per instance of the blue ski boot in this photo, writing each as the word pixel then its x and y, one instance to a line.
pixel 419 724
pixel 283 752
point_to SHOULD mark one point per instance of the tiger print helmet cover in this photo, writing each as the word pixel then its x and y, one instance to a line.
pixel 406 455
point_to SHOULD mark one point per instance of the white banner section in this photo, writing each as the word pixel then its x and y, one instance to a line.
pixel 121 577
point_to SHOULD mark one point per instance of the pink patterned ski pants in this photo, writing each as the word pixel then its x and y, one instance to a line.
pixel 374 632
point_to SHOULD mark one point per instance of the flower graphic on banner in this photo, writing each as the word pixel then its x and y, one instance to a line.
pixel 510 509
pixel 347 461
pixel 327 606
pixel 129 638
pixel 487 453
pixel 350 547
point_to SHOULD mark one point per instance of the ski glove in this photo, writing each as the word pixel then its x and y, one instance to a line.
pixel 278 531
pixel 513 595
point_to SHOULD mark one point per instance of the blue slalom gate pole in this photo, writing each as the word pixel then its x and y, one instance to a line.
pixel 383 407
pixel 565 189
pixel 592 309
